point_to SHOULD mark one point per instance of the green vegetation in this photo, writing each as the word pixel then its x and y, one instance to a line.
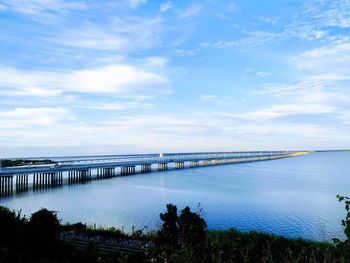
pixel 183 237
pixel 10 163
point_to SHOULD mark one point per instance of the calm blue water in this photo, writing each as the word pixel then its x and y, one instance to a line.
pixel 294 197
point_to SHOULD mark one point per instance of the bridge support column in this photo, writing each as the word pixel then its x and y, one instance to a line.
pixel 179 165
pixel 100 173
pixel 125 170
pixel 146 168
pixel 108 172
pixel 43 180
pixel 6 185
pixel 73 177
pixel 162 166
pixel 21 182
pixel 194 164
pixel 57 179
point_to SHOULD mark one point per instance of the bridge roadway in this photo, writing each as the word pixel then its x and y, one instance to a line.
pixel 79 170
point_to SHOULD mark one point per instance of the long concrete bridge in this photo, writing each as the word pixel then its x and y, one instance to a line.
pixel 18 179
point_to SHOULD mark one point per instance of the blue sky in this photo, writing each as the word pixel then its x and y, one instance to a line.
pixel 130 76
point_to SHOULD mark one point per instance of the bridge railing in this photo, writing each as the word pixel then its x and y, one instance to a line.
pixel 178 155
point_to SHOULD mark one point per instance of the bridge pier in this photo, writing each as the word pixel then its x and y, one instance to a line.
pixel 21 182
pixel 79 176
pixel 194 164
pixel 108 172
pixel 57 179
pixel 162 166
pixel 100 174
pixel 44 180
pixel 6 185
pixel 205 163
pixel 84 175
pixel 179 165
pixel 146 168
pixel 125 170
pixel 71 177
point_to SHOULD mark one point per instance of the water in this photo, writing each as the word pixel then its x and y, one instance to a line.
pixel 294 197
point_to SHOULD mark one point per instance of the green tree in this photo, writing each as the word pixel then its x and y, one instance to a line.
pixel 168 235
pixel 344 246
pixel 8 222
pixel 182 238
pixel 191 229
pixel 12 235
pixel 44 229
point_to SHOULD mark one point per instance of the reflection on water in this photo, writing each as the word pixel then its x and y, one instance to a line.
pixel 293 197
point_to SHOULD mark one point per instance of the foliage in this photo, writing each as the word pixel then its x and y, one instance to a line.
pixel 344 245
pixel 191 229
pixel 21 162
pixel 11 234
pixel 44 230
pixel 235 246
pixel 182 238
pixel 169 234
pixel 33 240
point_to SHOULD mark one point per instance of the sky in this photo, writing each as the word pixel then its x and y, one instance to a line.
pixel 146 76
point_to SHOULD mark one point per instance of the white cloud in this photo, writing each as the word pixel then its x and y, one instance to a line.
pixel 92 37
pixel 279 111
pixel 166 6
pixel 43 10
pixel 22 117
pixel 136 3
pixel 222 101
pixel 189 12
pixel 118 78
pixel 185 52
pixel 334 13
pixel 111 79
pixel 156 61
pixel 129 33
pixel 265 38
pixel 190 131
pixel 231 7
pixel 269 20
pixel 330 59
pixel 115 106
pixel 263 74
pixel 255 38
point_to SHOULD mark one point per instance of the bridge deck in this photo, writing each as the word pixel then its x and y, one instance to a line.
pixel 77 171
pixel 135 160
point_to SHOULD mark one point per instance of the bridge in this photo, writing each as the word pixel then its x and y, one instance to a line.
pixel 72 171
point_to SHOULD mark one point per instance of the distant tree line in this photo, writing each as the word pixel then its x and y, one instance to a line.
pixel 21 162
pixel 183 237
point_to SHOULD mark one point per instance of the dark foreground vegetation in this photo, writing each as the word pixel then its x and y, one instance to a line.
pixel 21 162
pixel 183 237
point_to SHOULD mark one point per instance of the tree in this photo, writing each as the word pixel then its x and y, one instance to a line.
pixel 182 238
pixel 191 229
pixel 44 228
pixel 168 235
pixel 344 246
pixel 12 235
pixel 7 227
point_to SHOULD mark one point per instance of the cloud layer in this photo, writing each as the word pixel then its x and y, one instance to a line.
pixel 148 76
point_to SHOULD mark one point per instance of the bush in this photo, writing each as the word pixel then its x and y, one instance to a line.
pixel 344 246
